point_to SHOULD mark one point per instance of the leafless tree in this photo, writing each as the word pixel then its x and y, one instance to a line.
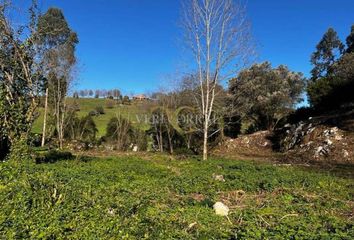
pixel 218 35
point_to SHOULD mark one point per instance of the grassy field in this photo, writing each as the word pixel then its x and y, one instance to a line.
pixel 157 197
pixel 88 104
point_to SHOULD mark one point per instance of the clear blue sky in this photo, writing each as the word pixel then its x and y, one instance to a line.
pixel 134 44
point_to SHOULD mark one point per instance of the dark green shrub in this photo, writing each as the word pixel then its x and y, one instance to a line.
pixel 232 126
pixel 19 151
pixel 93 113
pixel 126 100
pixel 4 147
pixel 124 135
pixel 87 129
pixel 34 139
pixel 80 128
pixel 119 131
pixel 139 139
pixel 53 156
pixel 184 151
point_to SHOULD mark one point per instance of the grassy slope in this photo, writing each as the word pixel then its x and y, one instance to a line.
pixel 159 198
pixel 89 104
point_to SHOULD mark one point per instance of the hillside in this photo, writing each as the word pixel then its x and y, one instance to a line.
pixel 134 112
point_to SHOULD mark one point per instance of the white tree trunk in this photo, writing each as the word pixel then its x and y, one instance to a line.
pixel 217 34
pixel 45 118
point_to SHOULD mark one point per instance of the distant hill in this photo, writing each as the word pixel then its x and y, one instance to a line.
pixel 137 112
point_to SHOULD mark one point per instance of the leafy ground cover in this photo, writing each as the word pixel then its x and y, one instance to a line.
pixel 158 197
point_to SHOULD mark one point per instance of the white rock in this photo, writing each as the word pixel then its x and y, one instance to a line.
pixel 135 148
pixel 221 209
pixel 345 153
pixel 192 225
pixel 328 142
pixel 319 149
pixel 218 177
pixel 110 211
pixel 334 130
pixel 338 137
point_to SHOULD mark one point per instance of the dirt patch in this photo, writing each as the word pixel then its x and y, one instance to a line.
pixel 253 146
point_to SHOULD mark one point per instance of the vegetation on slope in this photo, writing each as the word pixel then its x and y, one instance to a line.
pixel 89 104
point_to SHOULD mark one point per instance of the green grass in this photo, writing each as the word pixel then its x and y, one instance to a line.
pixel 89 104
pixel 155 197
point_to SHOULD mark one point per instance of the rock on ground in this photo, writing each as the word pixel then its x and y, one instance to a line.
pixel 221 209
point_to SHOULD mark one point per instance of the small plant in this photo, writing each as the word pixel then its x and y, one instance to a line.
pixel 93 113
pixel 100 110
pixel 110 103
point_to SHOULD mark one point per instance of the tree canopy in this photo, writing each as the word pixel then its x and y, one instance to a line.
pixel 265 94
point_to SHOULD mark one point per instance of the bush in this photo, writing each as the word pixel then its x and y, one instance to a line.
pixel 75 107
pixel 110 103
pixel 139 139
pixel 232 126
pixel 35 140
pixel 100 110
pixel 19 151
pixel 87 129
pixel 121 132
pixel 126 100
pixel 80 128
pixel 4 147
pixel 93 113
pixel 53 156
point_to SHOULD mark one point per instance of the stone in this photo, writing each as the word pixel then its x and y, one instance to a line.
pixel 218 177
pixel 110 211
pixel 322 151
pixel 135 148
pixel 328 142
pixel 338 137
pixel 192 225
pixel 345 153
pixel 221 209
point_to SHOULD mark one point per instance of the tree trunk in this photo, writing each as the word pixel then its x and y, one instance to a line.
pixel 205 141
pixel 170 142
pixel 161 140
pixel 45 118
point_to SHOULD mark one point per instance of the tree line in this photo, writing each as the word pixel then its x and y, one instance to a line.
pixel 99 93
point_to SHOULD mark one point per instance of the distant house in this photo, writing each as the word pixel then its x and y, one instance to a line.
pixel 140 97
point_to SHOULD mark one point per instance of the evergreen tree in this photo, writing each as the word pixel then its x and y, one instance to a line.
pixel 58 43
pixel 350 41
pixel 328 50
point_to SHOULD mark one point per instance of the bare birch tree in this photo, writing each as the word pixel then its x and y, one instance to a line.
pixel 218 36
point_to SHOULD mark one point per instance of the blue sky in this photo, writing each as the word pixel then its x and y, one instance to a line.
pixel 134 44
